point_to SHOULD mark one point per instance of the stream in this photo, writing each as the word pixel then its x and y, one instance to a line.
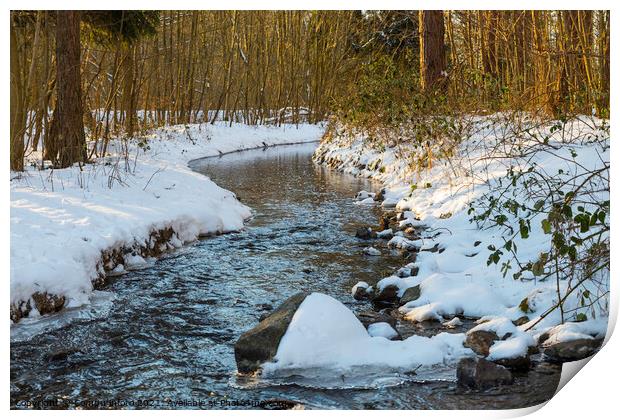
pixel 163 336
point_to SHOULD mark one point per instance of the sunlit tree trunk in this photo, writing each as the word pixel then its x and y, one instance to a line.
pixel 66 143
pixel 18 111
pixel 432 49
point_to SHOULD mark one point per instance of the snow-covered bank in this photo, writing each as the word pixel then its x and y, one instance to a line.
pixel 70 227
pixel 440 187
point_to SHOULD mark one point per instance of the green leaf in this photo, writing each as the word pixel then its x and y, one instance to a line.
pixel 501 219
pixel 538 268
pixel 546 226
pixel 539 205
pixel 523 229
pixel 525 306
pixel 580 317
pixel 576 240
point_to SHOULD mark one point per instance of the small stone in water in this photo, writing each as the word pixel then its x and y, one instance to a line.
pixel 453 323
pixel 360 290
pixel 372 251
pixel 364 194
pixel 364 233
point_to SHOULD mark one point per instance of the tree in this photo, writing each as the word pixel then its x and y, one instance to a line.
pixel 18 109
pixel 66 142
pixel 489 24
pixel 432 49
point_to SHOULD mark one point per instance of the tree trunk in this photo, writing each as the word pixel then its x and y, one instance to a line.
pixel 603 50
pixel 432 49
pixel 489 52
pixel 128 99
pixel 66 143
pixel 18 111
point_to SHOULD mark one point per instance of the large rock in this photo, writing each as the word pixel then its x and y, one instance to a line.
pixel 44 303
pixel 260 344
pixel 386 297
pixel 569 351
pixel 478 373
pixel 411 294
pixel 480 341
pixel 381 195
pixel 408 271
pixel 519 363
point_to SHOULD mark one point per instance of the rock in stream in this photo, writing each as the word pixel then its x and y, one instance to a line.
pixel 260 344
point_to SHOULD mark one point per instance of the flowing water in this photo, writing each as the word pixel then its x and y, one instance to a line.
pixel 163 336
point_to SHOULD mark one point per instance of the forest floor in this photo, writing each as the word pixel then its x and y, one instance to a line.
pixel 72 227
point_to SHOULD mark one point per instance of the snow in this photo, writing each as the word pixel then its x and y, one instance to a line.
pixel 359 284
pixel 387 233
pixel 499 325
pixel 116 271
pixel 570 331
pixel 511 348
pixel 453 323
pixel 62 219
pixel 382 329
pixel 134 261
pixel 404 243
pixel 366 202
pixel 372 251
pixel 325 333
pixel 362 195
pixel 441 295
pixel 458 281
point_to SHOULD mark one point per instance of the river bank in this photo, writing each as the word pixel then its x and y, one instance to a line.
pixel 454 278
pixel 73 228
